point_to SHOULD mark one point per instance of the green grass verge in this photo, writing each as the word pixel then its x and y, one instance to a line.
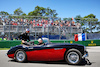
pixel 4 48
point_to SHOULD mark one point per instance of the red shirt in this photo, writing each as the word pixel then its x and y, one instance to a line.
pixel 46 22
pixel 15 23
pixel 38 24
pixel 34 21
pixel 31 22
pixel 41 24
pixel 34 25
pixel 42 21
pixel 51 23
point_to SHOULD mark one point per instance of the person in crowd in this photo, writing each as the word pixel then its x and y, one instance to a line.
pixel 73 23
pixel 12 37
pixel 78 25
pixel 4 25
pixel 67 23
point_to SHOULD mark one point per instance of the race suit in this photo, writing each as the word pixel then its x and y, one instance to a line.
pixel 24 36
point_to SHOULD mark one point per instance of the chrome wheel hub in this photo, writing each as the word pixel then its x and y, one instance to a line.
pixel 73 57
pixel 20 55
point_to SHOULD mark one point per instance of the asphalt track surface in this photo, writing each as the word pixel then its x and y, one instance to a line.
pixel 94 58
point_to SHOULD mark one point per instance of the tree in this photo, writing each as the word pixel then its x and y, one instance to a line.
pixel 88 23
pixel 90 16
pixel 24 14
pixel 4 13
pixel 50 12
pixel 65 19
pixel 18 11
pixel 41 11
pixel 92 22
pixel 77 18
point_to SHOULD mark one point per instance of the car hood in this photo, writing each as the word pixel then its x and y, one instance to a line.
pixel 65 44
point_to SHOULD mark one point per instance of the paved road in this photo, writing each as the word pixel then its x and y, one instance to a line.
pixel 94 57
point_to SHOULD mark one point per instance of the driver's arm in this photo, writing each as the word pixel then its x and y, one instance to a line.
pixel 23 41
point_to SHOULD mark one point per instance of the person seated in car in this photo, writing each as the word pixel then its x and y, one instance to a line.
pixel 40 42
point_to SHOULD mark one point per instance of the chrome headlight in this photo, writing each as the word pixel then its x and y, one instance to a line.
pixel 84 48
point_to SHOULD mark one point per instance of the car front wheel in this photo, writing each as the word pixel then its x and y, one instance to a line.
pixel 73 56
pixel 20 56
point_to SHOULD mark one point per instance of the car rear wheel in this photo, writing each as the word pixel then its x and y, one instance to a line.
pixel 73 56
pixel 20 56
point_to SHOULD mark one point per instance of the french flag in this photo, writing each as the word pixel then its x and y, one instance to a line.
pixel 80 37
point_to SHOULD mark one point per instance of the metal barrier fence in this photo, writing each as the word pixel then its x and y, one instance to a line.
pixel 55 29
pixel 12 31
pixel 93 36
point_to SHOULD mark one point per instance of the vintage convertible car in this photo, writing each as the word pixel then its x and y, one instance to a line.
pixel 71 53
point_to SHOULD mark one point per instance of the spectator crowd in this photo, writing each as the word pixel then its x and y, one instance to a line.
pixel 37 22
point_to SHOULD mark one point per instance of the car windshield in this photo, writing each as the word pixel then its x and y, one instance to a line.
pixel 45 40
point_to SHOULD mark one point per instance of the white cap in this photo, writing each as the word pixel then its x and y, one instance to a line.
pixel 27 29
pixel 39 39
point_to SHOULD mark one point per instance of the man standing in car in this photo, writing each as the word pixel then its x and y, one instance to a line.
pixel 24 36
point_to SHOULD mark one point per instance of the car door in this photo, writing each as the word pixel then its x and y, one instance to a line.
pixel 55 54
pixel 45 53
pixel 38 53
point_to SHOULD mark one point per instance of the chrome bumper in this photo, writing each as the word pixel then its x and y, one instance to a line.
pixel 85 54
pixel 6 54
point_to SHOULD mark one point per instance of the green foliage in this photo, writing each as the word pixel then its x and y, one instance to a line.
pixel 90 16
pixel 92 22
pixel 82 24
pixel 65 19
pixel 24 14
pixel 89 21
pixel 4 13
pixel 18 11
pixel 41 11
pixel 78 17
